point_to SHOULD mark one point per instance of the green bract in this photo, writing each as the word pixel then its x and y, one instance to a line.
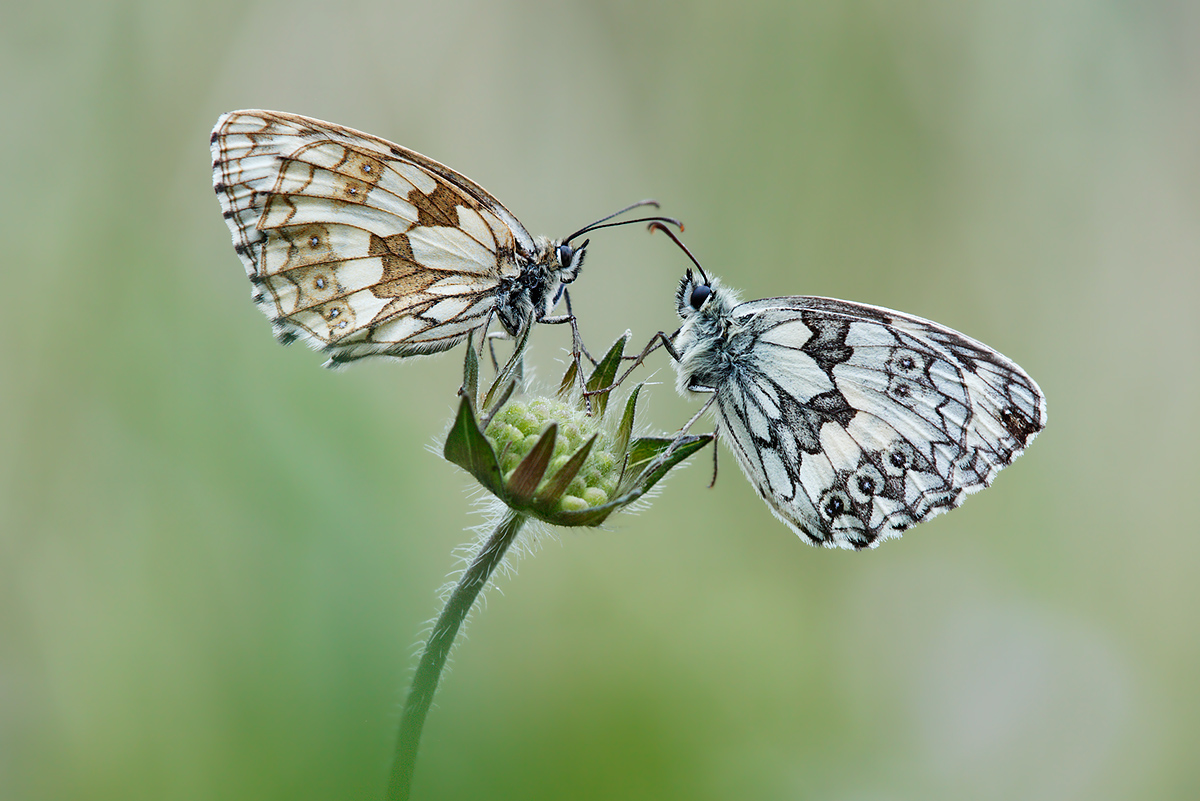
pixel 552 458
pixel 518 427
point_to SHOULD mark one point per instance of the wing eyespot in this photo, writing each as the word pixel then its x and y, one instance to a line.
pixel 898 458
pixel 835 504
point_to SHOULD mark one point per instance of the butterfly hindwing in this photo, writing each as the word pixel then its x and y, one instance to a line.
pixel 855 422
pixel 356 245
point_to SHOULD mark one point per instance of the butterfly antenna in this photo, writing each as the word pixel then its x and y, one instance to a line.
pixel 656 226
pixel 600 223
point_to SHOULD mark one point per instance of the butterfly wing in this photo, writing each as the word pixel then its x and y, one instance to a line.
pixel 356 245
pixel 856 422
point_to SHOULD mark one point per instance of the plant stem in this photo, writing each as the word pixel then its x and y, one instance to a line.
pixel 433 660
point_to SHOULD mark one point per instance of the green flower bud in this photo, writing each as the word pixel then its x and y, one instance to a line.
pixel 554 458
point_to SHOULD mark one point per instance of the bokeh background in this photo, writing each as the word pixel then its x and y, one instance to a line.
pixel 216 558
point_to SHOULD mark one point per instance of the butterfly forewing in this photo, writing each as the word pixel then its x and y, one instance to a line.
pixel 356 245
pixel 856 422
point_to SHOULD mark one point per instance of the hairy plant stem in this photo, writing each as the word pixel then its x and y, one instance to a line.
pixel 433 659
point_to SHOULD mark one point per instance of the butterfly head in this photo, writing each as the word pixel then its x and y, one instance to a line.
pixel 549 267
pixel 701 342
pixel 707 309
pixel 566 260
pixel 695 291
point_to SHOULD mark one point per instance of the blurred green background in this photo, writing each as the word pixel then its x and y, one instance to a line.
pixel 216 558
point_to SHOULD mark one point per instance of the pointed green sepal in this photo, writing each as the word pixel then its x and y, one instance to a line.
pixel 601 380
pixel 553 491
pixel 511 370
pixel 625 429
pixel 523 482
pixel 651 457
pixel 504 398
pixel 467 447
pixel 568 380
pixel 470 384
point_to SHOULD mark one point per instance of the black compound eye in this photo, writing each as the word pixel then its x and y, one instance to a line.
pixel 565 254
pixel 699 294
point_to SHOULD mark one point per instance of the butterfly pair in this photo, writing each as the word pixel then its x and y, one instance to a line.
pixel 852 421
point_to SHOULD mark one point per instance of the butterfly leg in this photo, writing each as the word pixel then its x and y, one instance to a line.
pixel 716 435
pixel 711 400
pixel 491 338
pixel 491 343
pixel 511 374
pixel 488 336
pixel 682 433
pixel 659 340
pixel 578 350
pixel 576 339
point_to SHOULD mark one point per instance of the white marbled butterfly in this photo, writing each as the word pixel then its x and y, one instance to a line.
pixel 853 422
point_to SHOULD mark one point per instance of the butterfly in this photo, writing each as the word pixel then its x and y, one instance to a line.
pixel 853 422
pixel 360 247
